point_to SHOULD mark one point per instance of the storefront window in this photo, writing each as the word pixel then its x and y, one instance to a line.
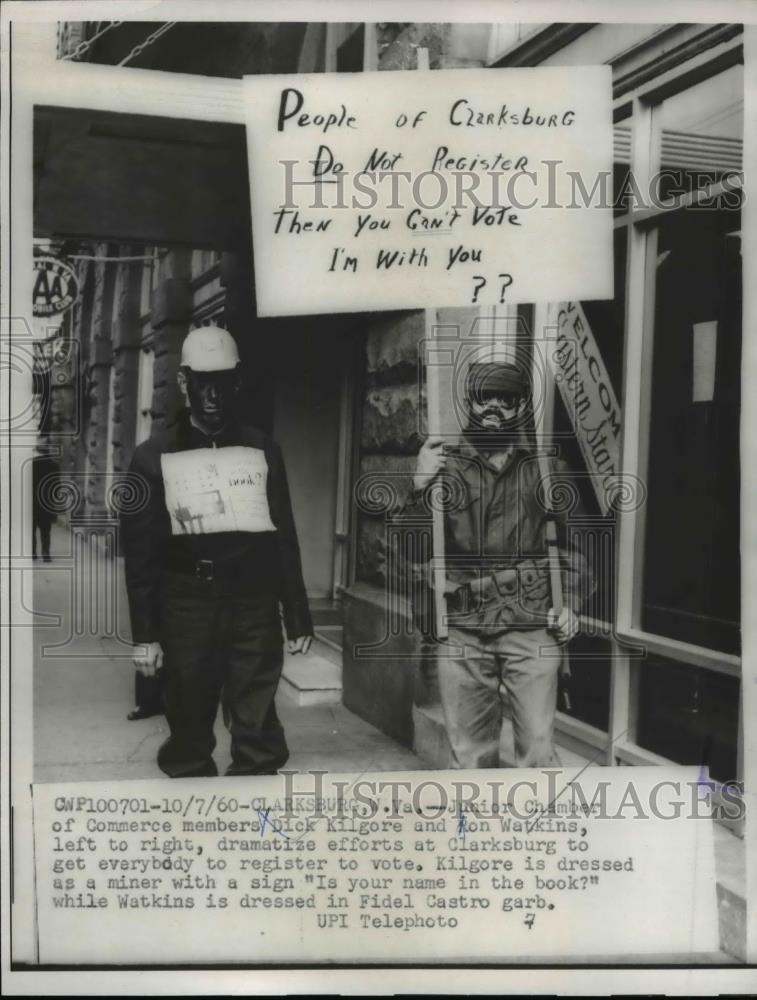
pixel 691 561
pixel 701 133
pixel 689 715
pixel 691 579
pixel 589 686
pixel 622 188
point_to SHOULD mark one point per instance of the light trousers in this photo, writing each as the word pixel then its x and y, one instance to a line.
pixel 520 667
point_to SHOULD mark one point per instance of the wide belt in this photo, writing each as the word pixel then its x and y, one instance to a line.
pixel 209 569
pixel 498 599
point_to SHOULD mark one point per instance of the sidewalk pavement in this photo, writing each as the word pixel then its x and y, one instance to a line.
pixel 84 688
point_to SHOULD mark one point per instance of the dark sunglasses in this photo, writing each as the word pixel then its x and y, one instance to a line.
pixel 510 400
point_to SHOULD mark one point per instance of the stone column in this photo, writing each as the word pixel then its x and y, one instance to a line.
pixel 81 332
pixel 100 361
pixel 65 395
pixel 254 337
pixel 170 314
pixel 127 331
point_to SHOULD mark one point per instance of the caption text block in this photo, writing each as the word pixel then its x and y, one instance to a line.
pixel 395 867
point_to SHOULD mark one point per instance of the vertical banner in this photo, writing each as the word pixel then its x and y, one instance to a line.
pixel 588 395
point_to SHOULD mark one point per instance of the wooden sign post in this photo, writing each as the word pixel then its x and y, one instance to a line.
pixel 434 427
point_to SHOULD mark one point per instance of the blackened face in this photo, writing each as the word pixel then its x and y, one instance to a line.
pixel 211 397
pixel 496 412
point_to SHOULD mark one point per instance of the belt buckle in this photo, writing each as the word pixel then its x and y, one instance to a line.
pixel 204 569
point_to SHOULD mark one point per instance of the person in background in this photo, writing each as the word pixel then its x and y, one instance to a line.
pixel 45 475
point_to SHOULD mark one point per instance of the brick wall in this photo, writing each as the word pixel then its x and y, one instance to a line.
pixel 392 427
pixel 98 383
pixel 127 333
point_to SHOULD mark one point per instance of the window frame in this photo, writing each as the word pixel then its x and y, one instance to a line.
pixel 642 233
pixel 618 746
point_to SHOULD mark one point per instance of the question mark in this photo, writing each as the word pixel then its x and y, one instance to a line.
pixel 482 281
pixel 585 880
pixel 505 285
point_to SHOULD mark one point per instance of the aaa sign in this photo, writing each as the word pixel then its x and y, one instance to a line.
pixel 56 287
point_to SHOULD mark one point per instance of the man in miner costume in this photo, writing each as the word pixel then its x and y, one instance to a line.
pixel 212 565
pixel 513 590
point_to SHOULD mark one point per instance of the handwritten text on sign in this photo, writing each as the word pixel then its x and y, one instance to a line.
pixel 588 395
pixel 445 188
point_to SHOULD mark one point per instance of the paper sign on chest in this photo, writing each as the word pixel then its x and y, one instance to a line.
pixel 216 489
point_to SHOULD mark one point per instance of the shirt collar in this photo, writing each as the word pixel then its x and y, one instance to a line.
pixel 191 436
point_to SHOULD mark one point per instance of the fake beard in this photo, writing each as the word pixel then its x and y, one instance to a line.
pixel 493 421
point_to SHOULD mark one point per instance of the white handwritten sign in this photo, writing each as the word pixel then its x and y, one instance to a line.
pixel 424 189
pixel 588 395
pixel 216 489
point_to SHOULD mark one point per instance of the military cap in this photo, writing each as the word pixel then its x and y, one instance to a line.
pixel 494 377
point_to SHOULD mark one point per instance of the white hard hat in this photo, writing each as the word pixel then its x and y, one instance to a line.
pixel 209 349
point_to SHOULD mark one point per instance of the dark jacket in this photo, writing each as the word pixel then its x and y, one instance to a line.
pixel 495 524
pixel 45 478
pixel 267 560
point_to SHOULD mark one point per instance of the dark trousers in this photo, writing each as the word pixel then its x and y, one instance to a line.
pixel 148 694
pixel 44 536
pixel 223 644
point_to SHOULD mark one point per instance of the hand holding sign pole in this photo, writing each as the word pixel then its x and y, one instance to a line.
pixel 434 425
